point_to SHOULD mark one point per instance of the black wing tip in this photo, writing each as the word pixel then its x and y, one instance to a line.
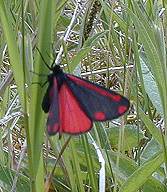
pixel 51 133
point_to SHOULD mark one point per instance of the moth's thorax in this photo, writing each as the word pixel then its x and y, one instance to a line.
pixel 58 74
pixel 56 70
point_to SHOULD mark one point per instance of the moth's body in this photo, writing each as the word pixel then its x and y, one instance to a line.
pixel 74 103
pixel 59 75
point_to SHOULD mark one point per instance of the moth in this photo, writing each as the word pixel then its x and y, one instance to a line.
pixel 73 103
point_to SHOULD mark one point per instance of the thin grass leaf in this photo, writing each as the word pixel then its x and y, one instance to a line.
pixel 85 50
pixel 36 118
pixel 150 126
pixel 140 176
pixel 76 168
pixel 10 36
pixel 147 36
pixel 89 160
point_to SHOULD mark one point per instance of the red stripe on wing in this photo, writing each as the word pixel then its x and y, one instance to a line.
pixel 90 85
pixel 99 103
pixel 73 119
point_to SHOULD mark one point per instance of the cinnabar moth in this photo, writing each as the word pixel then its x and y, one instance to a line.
pixel 74 103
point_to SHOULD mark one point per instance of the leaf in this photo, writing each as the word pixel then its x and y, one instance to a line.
pixel 130 136
pixel 151 86
pixel 6 178
pixel 141 175
pixel 85 50
pixel 150 149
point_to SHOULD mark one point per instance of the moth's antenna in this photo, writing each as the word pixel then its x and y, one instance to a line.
pixel 43 59
pixel 53 61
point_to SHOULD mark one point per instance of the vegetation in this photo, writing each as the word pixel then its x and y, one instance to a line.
pixel 119 44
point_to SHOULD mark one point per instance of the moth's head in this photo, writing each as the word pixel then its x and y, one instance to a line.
pixel 56 69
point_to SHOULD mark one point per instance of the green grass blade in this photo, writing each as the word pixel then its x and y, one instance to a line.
pixel 140 176
pixel 13 49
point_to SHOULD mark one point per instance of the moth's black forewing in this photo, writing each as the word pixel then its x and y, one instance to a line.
pixel 46 100
pixel 53 121
pixel 59 75
pixel 95 104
